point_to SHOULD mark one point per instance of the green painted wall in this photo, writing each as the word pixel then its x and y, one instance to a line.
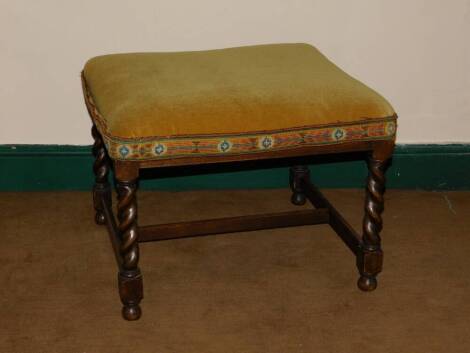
pixel 49 167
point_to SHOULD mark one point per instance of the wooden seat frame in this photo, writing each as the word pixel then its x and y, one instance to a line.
pixel 126 234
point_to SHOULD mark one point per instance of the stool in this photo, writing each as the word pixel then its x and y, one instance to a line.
pixel 155 110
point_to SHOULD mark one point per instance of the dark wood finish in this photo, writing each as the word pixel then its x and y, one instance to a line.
pixel 126 170
pixel 130 278
pixel 297 174
pixel 131 292
pixel 370 260
pixel 101 188
pixel 232 224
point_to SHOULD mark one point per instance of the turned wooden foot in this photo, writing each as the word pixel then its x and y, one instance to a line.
pixel 130 291
pixel 297 175
pixel 367 283
pixel 370 256
pixel 370 265
pixel 101 188
pixel 129 277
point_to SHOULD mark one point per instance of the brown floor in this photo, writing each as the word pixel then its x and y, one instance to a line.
pixel 285 290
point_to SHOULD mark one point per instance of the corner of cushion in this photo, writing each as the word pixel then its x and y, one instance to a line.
pixel 91 65
pixel 304 44
pixel 86 68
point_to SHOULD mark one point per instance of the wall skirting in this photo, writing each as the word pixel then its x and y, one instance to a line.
pixel 63 167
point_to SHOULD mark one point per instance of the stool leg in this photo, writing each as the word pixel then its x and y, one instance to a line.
pixel 297 174
pixel 101 189
pixel 129 277
pixel 370 257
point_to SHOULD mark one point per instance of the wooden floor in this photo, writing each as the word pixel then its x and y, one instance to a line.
pixel 283 290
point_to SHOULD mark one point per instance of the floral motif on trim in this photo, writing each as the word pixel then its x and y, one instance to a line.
pixel 224 146
pixel 164 148
pixel 390 128
pixel 339 134
pixel 159 149
pixel 124 151
pixel 266 142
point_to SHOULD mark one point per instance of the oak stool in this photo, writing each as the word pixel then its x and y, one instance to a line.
pixel 155 110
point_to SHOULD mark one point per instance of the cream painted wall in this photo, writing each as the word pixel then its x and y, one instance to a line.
pixel 415 52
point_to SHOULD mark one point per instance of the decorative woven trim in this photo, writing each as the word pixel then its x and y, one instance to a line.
pixel 158 147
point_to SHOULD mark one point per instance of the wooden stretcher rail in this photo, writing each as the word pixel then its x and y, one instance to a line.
pixel 337 221
pixel 232 224
pixel 113 231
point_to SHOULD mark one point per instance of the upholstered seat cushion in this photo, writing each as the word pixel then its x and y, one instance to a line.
pixel 236 100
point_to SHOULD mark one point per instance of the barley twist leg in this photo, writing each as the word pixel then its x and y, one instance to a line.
pixel 130 278
pixel 371 257
pixel 101 188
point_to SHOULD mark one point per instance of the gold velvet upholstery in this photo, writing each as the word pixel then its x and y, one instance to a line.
pixel 236 100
